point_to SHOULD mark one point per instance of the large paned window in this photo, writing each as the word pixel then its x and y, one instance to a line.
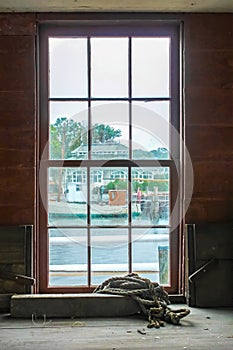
pixel 109 158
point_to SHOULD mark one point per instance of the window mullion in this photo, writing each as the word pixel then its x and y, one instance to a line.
pixel 88 228
pixel 130 156
pixel 130 95
pixel 88 168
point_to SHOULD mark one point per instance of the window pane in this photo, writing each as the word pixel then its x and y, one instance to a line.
pixel 150 130
pixel 150 67
pixel 67 257
pixel 109 196
pixel 109 253
pixel 150 196
pixel 67 196
pixel 109 67
pixel 68 67
pixel 150 253
pixel 110 130
pixel 68 130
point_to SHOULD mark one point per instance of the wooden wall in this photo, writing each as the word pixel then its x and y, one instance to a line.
pixel 208 116
pixel 17 119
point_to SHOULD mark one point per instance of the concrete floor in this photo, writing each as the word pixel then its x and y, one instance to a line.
pixel 203 329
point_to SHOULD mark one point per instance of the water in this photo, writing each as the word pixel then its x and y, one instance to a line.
pixel 109 251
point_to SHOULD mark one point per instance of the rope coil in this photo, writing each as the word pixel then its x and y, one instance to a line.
pixel 150 296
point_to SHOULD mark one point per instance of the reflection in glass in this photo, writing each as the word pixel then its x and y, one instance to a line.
pixel 109 67
pixel 68 67
pixel 67 257
pixel 68 130
pixel 109 253
pixel 150 67
pixel 150 254
pixel 67 196
pixel 109 196
pixel 150 130
pixel 150 195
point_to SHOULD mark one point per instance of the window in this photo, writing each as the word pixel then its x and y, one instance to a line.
pixel 109 157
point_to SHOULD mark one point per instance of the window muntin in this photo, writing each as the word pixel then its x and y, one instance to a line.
pixel 162 101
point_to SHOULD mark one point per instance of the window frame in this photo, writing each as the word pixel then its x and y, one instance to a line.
pixel 110 27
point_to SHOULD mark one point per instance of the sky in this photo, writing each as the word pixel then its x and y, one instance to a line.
pixel 109 79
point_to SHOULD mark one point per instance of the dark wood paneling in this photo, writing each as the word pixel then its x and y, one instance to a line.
pixel 22 211
pixel 17 128
pixel 208 31
pixel 210 143
pixel 214 108
pixel 18 119
pixel 213 247
pixel 16 157
pixel 17 24
pixel 209 114
pixel 17 106
pixel 209 69
pixel 15 258
pixel 213 178
pixel 17 185
pixel 17 63
pixel 209 210
pixel 17 137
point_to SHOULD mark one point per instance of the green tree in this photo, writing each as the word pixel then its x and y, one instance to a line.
pixel 103 133
pixel 160 153
pixel 65 136
pixel 120 184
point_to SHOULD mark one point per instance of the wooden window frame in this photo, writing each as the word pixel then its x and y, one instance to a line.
pixel 107 26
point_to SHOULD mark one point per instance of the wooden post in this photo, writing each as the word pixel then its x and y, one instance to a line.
pixel 163 264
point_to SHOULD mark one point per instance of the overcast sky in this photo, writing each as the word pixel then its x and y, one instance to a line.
pixel 109 78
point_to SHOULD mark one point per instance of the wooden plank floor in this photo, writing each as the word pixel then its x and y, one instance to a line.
pixel 203 329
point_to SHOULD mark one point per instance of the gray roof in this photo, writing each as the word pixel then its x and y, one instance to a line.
pixel 102 147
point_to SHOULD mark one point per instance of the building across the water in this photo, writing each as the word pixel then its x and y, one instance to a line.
pixel 107 150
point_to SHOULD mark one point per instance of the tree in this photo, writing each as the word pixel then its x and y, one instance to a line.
pixel 160 153
pixel 103 133
pixel 117 184
pixel 65 136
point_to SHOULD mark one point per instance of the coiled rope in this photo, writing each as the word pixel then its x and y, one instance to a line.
pixel 151 297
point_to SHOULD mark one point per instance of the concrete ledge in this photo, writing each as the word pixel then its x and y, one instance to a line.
pixel 72 305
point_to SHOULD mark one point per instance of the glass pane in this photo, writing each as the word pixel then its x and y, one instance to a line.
pixel 150 254
pixel 67 196
pixel 110 130
pixel 150 130
pixel 109 196
pixel 150 67
pixel 68 130
pixel 68 67
pixel 109 67
pixel 109 253
pixel 150 196
pixel 67 257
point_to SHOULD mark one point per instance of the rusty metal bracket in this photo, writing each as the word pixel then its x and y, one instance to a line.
pixel 201 269
pixel 21 279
